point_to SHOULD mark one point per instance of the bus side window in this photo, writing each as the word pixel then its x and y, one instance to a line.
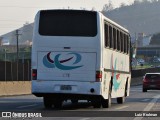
pixel 114 39
pixel 125 43
pixel 110 37
pixel 128 44
pixel 122 41
pixel 106 35
pixel 118 41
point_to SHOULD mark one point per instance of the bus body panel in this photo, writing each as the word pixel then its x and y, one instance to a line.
pixel 71 66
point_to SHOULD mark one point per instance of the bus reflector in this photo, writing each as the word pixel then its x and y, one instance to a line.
pixel 98 76
pixel 34 74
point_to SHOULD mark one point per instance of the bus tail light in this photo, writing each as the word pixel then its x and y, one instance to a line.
pixel 34 74
pixel 98 76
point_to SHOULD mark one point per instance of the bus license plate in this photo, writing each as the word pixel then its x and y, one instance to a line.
pixel 66 87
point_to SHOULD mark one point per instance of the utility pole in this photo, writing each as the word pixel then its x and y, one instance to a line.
pixel 17 36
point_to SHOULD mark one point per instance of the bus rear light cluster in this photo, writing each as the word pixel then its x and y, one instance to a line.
pixel 98 76
pixel 34 74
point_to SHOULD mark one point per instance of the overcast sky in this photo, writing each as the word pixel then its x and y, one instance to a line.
pixel 14 13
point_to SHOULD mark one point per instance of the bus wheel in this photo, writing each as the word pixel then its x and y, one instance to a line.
pixel 47 102
pixel 96 103
pixel 106 103
pixel 121 100
pixel 74 101
pixel 58 104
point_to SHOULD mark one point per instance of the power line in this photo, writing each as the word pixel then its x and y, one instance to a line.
pixel 17 36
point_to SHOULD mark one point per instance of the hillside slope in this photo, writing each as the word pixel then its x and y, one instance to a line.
pixel 137 18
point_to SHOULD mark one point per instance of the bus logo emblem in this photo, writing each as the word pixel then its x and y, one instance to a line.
pixel 116 76
pixel 56 63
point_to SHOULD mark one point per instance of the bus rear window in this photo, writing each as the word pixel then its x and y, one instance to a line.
pixel 68 23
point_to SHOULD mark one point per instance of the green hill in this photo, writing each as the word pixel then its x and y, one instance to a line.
pixel 137 18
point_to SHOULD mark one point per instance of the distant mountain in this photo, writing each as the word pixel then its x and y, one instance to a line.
pixel 137 18
pixel 24 38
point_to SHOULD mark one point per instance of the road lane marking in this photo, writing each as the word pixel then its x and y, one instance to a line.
pixel 145 100
pixel 149 106
pixel 27 106
pixel 136 90
pixel 85 119
pixel 122 107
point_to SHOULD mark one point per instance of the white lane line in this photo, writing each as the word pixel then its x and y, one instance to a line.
pixel 85 119
pixel 27 106
pixel 122 107
pixel 149 106
pixel 145 100
pixel 136 90
pixel 139 89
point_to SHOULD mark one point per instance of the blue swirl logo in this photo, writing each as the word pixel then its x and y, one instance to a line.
pixel 49 63
pixel 116 76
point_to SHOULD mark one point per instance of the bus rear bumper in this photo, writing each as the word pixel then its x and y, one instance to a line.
pixel 65 88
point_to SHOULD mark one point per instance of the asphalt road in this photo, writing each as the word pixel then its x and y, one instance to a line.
pixel 135 105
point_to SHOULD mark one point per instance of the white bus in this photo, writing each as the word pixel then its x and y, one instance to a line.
pixel 79 55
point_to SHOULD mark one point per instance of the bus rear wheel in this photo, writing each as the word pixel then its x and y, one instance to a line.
pixel 57 103
pixel 74 101
pixel 121 100
pixel 47 102
pixel 106 103
pixel 96 103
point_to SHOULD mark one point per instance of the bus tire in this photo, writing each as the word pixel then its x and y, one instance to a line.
pixel 74 101
pixel 47 102
pixel 106 103
pixel 121 100
pixel 57 104
pixel 96 103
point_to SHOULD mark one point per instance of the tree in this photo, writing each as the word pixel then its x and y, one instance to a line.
pixel 154 0
pixel 108 7
pixel 122 4
pixel 136 2
pixel 147 1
